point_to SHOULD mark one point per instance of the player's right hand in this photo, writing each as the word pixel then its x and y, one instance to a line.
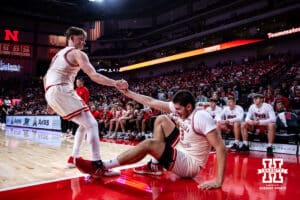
pixel 122 84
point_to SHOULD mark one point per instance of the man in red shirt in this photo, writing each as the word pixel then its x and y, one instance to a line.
pixel 82 91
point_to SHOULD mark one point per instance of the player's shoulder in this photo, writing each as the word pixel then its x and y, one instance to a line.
pixel 239 107
pixel 225 108
pixel 268 106
pixel 201 113
pixel 252 106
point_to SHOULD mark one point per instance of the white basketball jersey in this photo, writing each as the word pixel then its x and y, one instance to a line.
pixel 214 113
pixel 234 115
pixel 265 114
pixel 193 132
pixel 61 70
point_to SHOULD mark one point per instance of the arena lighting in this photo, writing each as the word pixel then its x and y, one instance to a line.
pixel 188 54
pixel 96 0
pixel 285 32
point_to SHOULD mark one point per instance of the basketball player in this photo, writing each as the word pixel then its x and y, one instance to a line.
pixel 213 109
pixel 60 93
pixel 194 129
pixel 260 116
pixel 230 119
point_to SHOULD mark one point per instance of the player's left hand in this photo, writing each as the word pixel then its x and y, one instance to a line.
pixel 209 185
pixel 122 84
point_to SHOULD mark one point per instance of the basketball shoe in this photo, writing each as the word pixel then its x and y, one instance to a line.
pixel 95 168
pixel 150 168
pixel 71 162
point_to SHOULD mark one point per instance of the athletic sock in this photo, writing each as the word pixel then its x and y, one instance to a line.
pixel 155 161
pixel 111 163
pixel 270 145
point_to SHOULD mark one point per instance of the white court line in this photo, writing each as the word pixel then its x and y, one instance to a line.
pixel 60 179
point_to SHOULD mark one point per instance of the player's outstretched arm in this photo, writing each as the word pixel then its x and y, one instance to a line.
pixel 148 101
pixel 216 141
pixel 84 63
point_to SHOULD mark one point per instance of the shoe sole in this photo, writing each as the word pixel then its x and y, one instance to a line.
pixel 69 165
pixel 148 173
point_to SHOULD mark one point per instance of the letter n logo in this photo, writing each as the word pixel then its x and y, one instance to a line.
pixel 11 35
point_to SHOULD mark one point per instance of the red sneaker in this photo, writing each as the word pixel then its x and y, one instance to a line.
pixel 71 162
pixel 95 168
pixel 150 168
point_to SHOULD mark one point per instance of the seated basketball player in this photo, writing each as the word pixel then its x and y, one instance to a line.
pixel 181 142
pixel 213 109
pixel 230 120
pixel 260 117
pixel 60 93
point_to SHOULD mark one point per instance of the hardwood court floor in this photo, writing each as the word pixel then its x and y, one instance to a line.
pixel 242 180
pixel 29 155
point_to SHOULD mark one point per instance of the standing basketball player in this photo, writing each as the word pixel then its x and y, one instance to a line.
pixel 195 129
pixel 60 93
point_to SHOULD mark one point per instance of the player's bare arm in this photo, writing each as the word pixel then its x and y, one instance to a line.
pixel 216 141
pixel 83 61
pixel 148 101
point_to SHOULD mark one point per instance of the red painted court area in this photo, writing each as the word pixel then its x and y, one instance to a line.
pixel 242 181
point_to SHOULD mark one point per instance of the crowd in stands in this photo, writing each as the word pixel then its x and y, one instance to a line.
pixel 276 77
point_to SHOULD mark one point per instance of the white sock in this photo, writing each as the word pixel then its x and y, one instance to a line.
pixel 155 161
pixel 236 142
pixel 143 133
pixel 111 163
pixel 270 145
pixel 79 136
pixel 87 120
pixel 246 143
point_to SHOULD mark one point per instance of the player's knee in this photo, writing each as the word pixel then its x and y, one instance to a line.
pixel 237 124
pixel 91 124
pixel 271 126
pixel 160 119
pixel 244 125
pixel 150 144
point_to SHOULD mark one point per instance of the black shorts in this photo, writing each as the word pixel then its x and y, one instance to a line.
pixel 168 157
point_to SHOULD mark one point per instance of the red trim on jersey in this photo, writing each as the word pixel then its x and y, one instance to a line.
pixel 65 57
pixel 193 127
pixel 174 156
pixel 77 112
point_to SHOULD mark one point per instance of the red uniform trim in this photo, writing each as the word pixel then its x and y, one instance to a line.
pixel 77 112
pixel 66 58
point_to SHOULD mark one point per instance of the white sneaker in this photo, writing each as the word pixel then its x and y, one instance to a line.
pixel 113 136
pixel 112 172
pixel 107 135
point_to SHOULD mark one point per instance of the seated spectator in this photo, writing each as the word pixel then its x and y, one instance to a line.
pixel 280 98
pixel 260 116
pixel 230 119
pixel 279 107
pixel 295 95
